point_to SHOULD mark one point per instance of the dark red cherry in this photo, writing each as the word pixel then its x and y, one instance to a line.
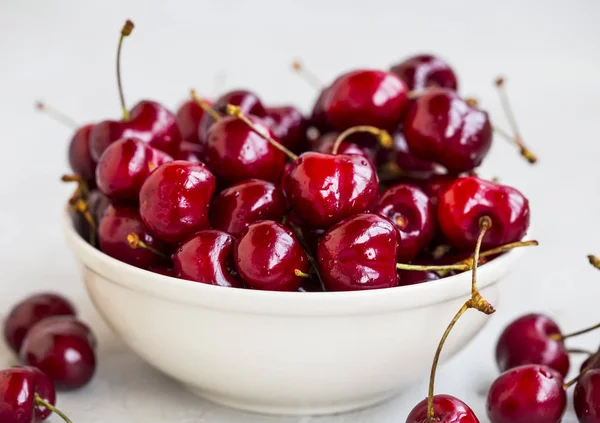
pixel 366 97
pixel 190 152
pixel 98 203
pixel 527 394
pixel 468 199
pixel 586 398
pixel 113 233
pixel 410 210
pixel 592 362
pixel 528 340
pixel 62 348
pixel 188 119
pixel 289 126
pixel 18 387
pixel 234 152
pixel 162 270
pixel 174 200
pixel 323 189
pixel 268 256
pixel 435 185
pixel 424 71
pixel 412 277
pixel 80 158
pixel 359 253
pixel 30 311
pixel 207 257
pixel 326 142
pixel 318 119
pixel 125 165
pixel 443 128
pixel 149 121
pixel 240 205
pixel 408 163
pixel 448 409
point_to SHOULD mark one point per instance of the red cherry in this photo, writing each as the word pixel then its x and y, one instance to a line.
pixel 352 145
pixel 448 409
pixel 586 398
pixel 468 199
pixel 289 126
pixel 592 362
pixel 412 277
pixel 62 348
pixel 366 97
pixel 174 200
pixel 407 162
pixel 162 270
pixel 443 128
pixel 98 204
pixel 234 152
pixel 359 253
pixel 30 311
pixel 80 158
pixel 318 119
pixel 268 256
pixel 435 186
pixel 424 71
pixel 410 210
pixel 238 206
pixel 528 340
pixel 188 119
pixel 190 152
pixel 114 234
pixel 207 258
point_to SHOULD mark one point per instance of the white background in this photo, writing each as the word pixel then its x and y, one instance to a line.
pixel 63 52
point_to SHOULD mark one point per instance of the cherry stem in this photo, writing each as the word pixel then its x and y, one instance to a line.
pixel 559 337
pixel 310 77
pixel 205 106
pixel 57 115
pixel 502 249
pixel 419 268
pixel 237 112
pixel 80 206
pixel 40 401
pixel 125 31
pixel 572 381
pixel 134 242
pixel 579 351
pixel 301 274
pixel 594 261
pixel 384 138
pixel 82 186
pixel 476 301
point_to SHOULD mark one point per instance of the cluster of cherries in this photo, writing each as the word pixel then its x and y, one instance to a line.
pixel 57 351
pixel 375 189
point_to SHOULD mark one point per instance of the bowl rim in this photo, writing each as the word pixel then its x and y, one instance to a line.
pixel 281 302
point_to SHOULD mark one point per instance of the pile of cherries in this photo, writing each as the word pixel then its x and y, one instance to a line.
pixel 57 352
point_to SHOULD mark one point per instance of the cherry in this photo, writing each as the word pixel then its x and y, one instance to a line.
pixel 425 71
pixel 406 161
pixel 188 119
pixel 467 199
pixel 447 409
pixel 366 97
pixel 118 223
pixel 443 128
pixel 288 126
pixel 408 277
pixel 30 311
pixel 435 185
pixel 527 394
pixel 98 203
pixel 240 205
pixel 125 165
pixel 62 348
pixel 162 270
pixel 207 258
pixel 531 340
pixel 586 398
pixel 410 210
pixel 268 256
pixel 190 152
pixel 351 145
pixel 174 200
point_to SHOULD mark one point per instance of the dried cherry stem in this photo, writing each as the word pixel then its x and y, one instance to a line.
pixel 310 77
pixel 502 249
pixel 80 206
pixel 383 137
pixel 423 268
pixel 205 106
pixel 476 301
pixel 301 274
pixel 572 382
pixel 57 115
pixel 134 242
pixel 125 31
pixel 579 351
pixel 594 261
pixel 39 401
pixel 560 337
pixel 82 187
pixel 237 112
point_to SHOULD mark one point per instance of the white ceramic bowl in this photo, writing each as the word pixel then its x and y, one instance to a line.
pixel 284 352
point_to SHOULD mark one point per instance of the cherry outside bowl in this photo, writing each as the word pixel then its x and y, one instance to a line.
pixel 284 352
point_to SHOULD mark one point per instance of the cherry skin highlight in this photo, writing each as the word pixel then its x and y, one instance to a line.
pixel 448 409
pixel 586 397
pixel 425 71
pixel 17 388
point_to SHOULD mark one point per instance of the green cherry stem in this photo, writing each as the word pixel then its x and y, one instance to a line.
pixel 125 32
pixel 559 337
pixel 301 274
pixel 205 106
pixel 134 242
pixel 40 401
pixel 383 137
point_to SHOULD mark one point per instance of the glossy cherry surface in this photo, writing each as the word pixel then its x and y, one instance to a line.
pixel 323 189
pixel 443 128
pixel 30 311
pixel 448 409
pixel 174 200
pixel 125 165
pixel 527 340
pixel 18 386
pixel 359 253
pixel 586 397
pixel 267 255
pixel 240 205
pixel 424 71
pixel 527 394
pixel 207 257
pixel 468 199
pixel 120 221
pixel 149 121
pixel 414 216
pixel 234 152
pixel 366 97
pixel 80 156
pixel 289 126
pixel 188 119
pixel 62 348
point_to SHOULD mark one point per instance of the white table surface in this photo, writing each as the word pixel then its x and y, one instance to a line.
pixel 63 52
